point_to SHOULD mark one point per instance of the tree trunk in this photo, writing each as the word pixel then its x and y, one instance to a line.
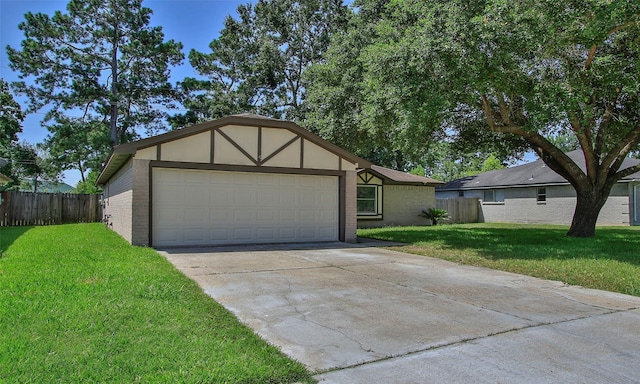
pixel 588 206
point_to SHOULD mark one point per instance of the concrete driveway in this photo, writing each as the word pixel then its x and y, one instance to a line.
pixel 357 314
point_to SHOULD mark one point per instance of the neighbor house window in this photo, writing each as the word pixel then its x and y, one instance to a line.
pixel 367 200
pixel 493 196
pixel 489 196
pixel 542 195
pixel 460 193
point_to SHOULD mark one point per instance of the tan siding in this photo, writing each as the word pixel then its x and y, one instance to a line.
pixel 245 137
pixel 288 157
pixel 316 157
pixel 225 153
pixel 189 149
pixel 347 165
pixel 150 153
pixel 273 139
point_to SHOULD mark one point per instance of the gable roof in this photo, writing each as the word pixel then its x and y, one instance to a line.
pixel 536 173
pixel 121 153
pixel 398 177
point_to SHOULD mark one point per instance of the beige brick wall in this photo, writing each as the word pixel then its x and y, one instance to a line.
pixel 351 222
pixel 118 200
pixel 402 205
pixel 141 199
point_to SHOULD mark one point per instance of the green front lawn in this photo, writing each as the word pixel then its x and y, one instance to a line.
pixel 610 261
pixel 79 304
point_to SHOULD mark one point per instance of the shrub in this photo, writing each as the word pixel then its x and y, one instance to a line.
pixel 435 215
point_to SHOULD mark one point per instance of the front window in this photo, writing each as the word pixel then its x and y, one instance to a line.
pixel 367 200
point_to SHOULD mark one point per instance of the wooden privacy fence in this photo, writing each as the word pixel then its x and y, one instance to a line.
pixel 28 208
pixel 461 209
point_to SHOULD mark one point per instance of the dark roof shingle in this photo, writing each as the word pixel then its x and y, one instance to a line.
pixel 402 177
pixel 530 174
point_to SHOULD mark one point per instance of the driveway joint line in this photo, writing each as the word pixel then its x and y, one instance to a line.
pixel 464 341
pixel 303 315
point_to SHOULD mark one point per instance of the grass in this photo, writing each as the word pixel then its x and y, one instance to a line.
pixel 609 261
pixel 79 304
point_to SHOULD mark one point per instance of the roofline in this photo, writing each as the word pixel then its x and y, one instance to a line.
pixel 504 186
pixel 391 181
pixel 550 184
pixel 121 153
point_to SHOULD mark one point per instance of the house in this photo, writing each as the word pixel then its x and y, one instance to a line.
pixel 387 197
pixel 534 193
pixel 239 179
pixel 47 187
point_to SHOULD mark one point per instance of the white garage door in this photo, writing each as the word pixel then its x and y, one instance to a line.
pixel 197 207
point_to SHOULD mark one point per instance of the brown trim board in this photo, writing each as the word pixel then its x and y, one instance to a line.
pixel 237 146
pixel 243 168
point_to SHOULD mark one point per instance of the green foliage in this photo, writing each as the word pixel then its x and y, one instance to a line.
pixel 100 61
pixel 29 165
pixel 257 63
pixel 418 170
pixel 11 117
pixel 79 304
pixel 89 184
pixel 609 261
pixel 490 74
pixel 491 163
pixel 78 144
pixel 436 215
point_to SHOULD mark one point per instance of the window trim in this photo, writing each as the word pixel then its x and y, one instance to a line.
pixel 494 197
pixel 374 199
pixel 541 195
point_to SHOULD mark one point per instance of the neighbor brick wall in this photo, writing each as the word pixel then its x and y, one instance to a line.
pixel 520 206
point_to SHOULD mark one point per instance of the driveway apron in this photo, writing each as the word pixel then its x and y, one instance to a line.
pixel 356 314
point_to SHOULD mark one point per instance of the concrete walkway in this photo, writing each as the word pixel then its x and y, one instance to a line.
pixel 357 314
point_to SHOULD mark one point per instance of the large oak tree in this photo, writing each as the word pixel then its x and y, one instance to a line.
pixel 524 70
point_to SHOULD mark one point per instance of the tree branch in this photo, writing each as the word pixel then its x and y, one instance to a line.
pixel 584 138
pixel 616 156
pixel 592 51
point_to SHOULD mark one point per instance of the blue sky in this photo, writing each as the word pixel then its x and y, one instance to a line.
pixel 192 22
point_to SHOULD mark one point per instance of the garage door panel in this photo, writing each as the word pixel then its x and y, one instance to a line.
pixel 218 207
pixel 220 235
pixel 287 233
pixel 243 234
pixel 266 234
pixel 266 215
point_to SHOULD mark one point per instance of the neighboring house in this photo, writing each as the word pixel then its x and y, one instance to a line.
pixel 239 179
pixel 533 193
pixel 387 197
pixel 48 187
